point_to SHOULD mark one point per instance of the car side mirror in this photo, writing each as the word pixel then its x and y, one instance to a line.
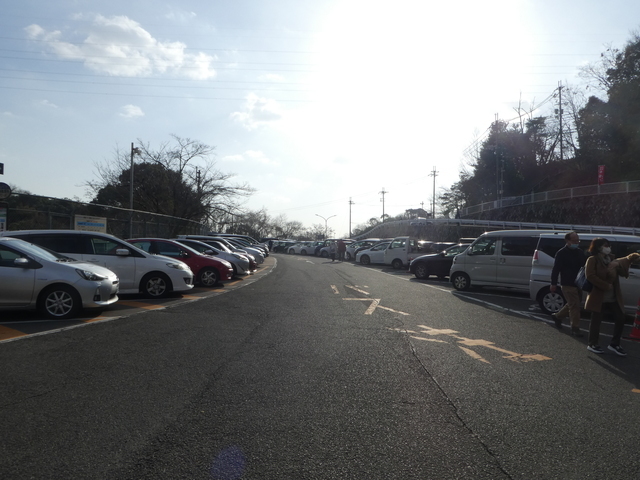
pixel 21 262
pixel 209 252
pixel 122 252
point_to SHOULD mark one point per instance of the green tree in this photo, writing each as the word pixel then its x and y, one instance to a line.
pixel 179 179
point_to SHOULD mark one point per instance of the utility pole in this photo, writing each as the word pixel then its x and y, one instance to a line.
pixel 350 203
pixel 433 174
pixel 559 111
pixel 383 192
pixel 134 151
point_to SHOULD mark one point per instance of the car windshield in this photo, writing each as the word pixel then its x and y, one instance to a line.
pixel 35 250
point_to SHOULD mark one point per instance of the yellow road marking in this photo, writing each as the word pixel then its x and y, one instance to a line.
pixel 473 354
pixel 434 331
pixel 374 303
pixel 6 333
pixel 392 310
pixel 146 306
pixel 635 390
pixel 470 342
pixel 428 339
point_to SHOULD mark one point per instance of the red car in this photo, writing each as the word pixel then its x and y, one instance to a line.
pixel 207 270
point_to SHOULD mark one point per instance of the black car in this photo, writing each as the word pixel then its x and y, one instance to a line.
pixel 437 264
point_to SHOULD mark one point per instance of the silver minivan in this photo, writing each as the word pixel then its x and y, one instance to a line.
pixel 542 264
pixel 497 259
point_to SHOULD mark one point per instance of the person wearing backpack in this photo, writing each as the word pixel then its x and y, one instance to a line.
pixel 568 262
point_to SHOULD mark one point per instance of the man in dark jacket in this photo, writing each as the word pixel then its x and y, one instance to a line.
pixel 568 261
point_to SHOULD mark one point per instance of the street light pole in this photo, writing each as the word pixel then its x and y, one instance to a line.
pixel 325 223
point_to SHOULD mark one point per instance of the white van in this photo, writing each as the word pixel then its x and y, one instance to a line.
pixel 542 264
pixel 497 259
pixel 153 275
pixel 402 250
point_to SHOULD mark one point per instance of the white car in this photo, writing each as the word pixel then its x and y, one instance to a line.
pixel 154 276
pixel 302 248
pixel 374 254
pixel 34 278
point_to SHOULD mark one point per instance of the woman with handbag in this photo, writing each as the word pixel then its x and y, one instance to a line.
pixel 603 272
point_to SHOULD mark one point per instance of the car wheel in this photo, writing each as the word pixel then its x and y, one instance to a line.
pixel 59 301
pixel 397 264
pixel 365 260
pixel 325 254
pixel 460 281
pixel 347 255
pixel 422 272
pixel 303 252
pixel 550 302
pixel 208 277
pixel 155 285
pixel 291 251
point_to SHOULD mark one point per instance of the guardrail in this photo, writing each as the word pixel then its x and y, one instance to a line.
pixel 496 225
pixel 585 191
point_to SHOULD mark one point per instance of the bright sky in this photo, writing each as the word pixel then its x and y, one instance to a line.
pixel 311 102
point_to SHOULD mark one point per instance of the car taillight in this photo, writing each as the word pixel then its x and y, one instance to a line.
pixel 535 257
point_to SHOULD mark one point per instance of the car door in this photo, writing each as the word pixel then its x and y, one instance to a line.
pixel 514 260
pixel 629 287
pixel 17 280
pixel 103 251
pixel 481 261
pixel 441 264
pixel 398 248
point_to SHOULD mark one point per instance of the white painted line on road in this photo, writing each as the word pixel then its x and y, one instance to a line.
pixel 357 289
pixel 335 289
pixel 394 311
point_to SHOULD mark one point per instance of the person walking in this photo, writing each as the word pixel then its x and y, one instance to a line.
pixel 342 248
pixel 568 262
pixel 332 250
pixel 603 272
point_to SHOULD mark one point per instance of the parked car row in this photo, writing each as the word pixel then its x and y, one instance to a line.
pixel 522 260
pixel 60 272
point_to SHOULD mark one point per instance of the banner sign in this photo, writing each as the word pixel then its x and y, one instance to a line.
pixel 600 174
pixel 90 224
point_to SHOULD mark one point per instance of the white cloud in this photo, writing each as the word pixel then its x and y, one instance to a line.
pixel 119 46
pixel 233 158
pixel 48 104
pixel 131 111
pixel 260 157
pixel 252 156
pixel 180 16
pixel 257 112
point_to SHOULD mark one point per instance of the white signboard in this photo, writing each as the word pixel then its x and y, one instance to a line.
pixel 3 219
pixel 90 224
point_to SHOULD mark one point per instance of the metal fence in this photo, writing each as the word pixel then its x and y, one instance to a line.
pixel 30 212
pixel 586 191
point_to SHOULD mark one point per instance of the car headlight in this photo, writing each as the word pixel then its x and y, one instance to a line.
pixel 178 266
pixel 91 276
